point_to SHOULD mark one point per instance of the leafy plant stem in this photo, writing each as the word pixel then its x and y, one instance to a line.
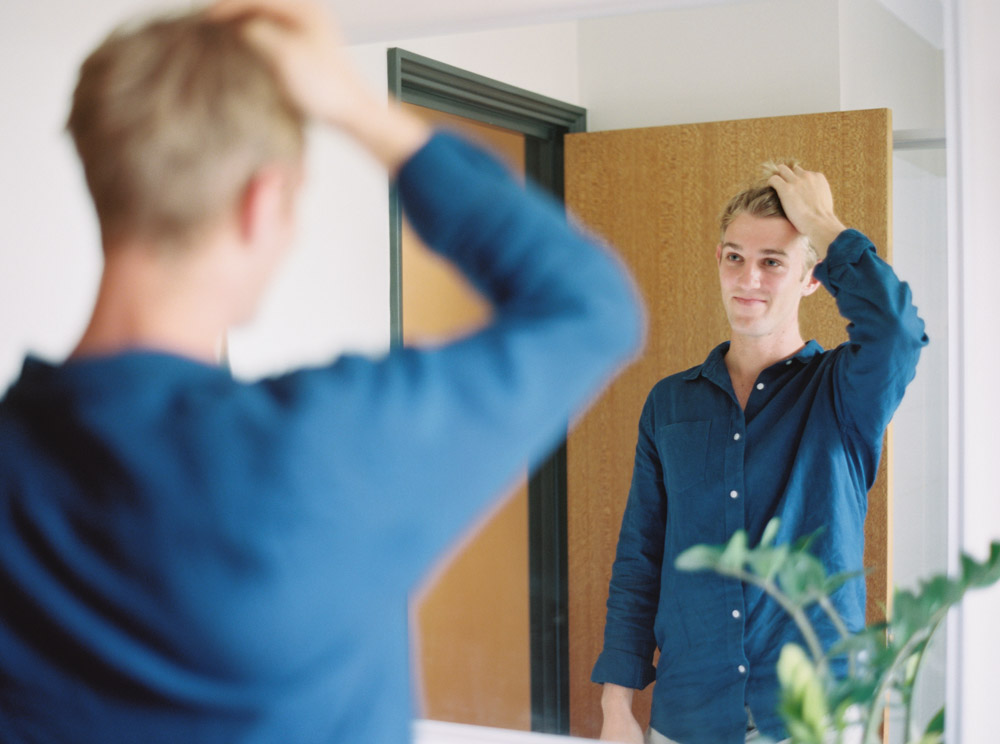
pixel 908 722
pixel 838 623
pixel 796 613
pixel 878 699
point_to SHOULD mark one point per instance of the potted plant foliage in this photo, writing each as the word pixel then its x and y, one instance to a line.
pixel 884 659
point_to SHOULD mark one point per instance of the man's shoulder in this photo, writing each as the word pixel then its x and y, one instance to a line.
pixel 678 380
pixel 679 393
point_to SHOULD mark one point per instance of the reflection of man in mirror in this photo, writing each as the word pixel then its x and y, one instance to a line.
pixel 189 558
pixel 768 426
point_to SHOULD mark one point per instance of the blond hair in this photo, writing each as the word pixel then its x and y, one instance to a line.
pixel 171 119
pixel 760 200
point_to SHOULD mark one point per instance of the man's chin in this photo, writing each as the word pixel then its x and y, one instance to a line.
pixel 744 324
pixel 749 329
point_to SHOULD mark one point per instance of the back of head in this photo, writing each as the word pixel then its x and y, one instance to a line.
pixel 171 119
pixel 760 200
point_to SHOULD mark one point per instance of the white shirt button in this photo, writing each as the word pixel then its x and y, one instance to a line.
pixel 742 669
pixel 736 436
pixel 788 362
pixel 736 614
pixel 760 385
pixel 733 494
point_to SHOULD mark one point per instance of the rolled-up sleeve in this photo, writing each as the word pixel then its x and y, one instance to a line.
pixel 634 591
pixel 885 333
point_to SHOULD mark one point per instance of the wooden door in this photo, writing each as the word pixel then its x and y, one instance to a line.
pixel 655 195
pixel 471 620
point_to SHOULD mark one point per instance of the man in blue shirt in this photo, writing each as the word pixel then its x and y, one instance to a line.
pixel 188 558
pixel 768 426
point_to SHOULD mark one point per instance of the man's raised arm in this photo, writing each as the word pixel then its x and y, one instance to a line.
pixel 885 332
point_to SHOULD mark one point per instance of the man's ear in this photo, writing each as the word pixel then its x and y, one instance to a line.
pixel 811 284
pixel 718 253
pixel 264 204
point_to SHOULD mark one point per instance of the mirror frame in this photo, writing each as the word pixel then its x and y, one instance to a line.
pixel 543 121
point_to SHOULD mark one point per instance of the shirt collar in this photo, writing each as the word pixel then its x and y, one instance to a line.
pixel 714 366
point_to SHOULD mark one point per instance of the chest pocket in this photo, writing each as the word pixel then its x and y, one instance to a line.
pixel 683 449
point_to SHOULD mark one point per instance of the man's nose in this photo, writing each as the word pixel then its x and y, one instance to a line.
pixel 750 276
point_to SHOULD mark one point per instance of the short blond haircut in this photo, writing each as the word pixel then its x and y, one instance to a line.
pixel 171 119
pixel 760 200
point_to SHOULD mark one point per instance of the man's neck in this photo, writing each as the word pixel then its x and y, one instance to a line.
pixel 146 301
pixel 748 356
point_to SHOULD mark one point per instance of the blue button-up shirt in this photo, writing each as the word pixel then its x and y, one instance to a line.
pixel 806 449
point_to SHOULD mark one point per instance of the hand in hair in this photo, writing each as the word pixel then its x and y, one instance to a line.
pixel 303 42
pixel 808 204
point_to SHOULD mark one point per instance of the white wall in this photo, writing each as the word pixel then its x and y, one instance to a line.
pixel 762 58
pixel 49 260
pixel 920 441
pixel 975 75
pixel 884 63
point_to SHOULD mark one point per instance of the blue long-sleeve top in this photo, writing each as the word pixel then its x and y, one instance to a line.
pixel 188 558
pixel 805 449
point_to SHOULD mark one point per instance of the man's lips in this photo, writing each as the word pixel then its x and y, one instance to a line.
pixel 748 301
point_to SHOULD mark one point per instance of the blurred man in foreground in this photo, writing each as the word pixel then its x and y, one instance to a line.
pixel 187 558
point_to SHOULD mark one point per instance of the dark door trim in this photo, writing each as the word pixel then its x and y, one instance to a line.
pixel 544 121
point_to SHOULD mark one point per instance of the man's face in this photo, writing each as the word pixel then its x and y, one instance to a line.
pixel 762 274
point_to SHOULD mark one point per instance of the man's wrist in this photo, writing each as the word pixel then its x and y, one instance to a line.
pixel 821 236
pixel 391 134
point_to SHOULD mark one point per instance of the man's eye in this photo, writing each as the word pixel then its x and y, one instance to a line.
pixel 732 257
pixel 772 263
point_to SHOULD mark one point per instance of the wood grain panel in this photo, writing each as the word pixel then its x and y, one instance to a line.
pixel 472 623
pixel 655 195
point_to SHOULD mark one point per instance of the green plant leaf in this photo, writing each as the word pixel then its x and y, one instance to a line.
pixel 982 574
pixel 735 554
pixel 910 673
pixel 936 724
pixel 767 562
pixel 837 580
pixel 801 577
pixel 804 543
pixel 803 705
pixel 770 533
pixel 699 558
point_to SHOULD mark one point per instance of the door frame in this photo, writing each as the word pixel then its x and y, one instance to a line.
pixel 543 121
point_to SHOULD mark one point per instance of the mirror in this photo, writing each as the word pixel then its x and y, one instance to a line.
pixel 685 65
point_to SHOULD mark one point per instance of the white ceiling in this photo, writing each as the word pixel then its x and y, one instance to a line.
pixel 385 20
pixel 388 20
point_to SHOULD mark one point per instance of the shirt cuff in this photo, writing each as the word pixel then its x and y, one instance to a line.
pixel 623 668
pixel 848 248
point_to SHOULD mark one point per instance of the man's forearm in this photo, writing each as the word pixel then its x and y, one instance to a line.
pixel 885 331
pixel 615 698
pixel 619 723
pixel 389 133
